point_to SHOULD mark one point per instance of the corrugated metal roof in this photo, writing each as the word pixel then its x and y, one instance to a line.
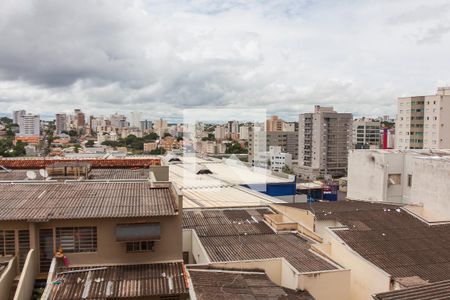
pixel 250 247
pixel 125 281
pixel 76 200
pixel 241 234
pixel 390 238
pixel 217 284
pixel 38 163
pixel 432 291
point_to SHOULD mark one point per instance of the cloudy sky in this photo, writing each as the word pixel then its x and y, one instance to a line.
pixel 160 57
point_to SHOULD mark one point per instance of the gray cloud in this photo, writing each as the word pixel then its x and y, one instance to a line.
pixel 162 56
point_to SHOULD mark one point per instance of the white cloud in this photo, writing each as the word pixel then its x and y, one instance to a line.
pixel 162 56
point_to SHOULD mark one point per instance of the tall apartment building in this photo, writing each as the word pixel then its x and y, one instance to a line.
pixel 80 119
pixel 423 122
pixel 220 132
pixel 366 133
pixel 325 137
pixel 243 132
pixel 274 124
pixel 30 125
pixel 136 117
pixel 260 141
pixel 61 123
pixel 17 115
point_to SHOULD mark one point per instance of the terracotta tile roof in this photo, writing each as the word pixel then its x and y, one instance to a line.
pixel 110 173
pixel 391 238
pixel 39 163
pixel 432 291
pixel 76 200
pixel 241 234
pixel 124 281
pixel 223 285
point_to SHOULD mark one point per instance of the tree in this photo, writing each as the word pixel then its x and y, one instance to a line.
pixel 150 137
pixel 158 151
pixel 90 143
pixel 235 148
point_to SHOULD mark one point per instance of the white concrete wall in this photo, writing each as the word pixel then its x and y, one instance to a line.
pixel 327 285
pixel 366 279
pixel 431 186
pixel 7 278
pixel 366 175
pixel 26 281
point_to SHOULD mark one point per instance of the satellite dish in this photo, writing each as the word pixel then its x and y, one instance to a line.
pixel 43 173
pixel 31 175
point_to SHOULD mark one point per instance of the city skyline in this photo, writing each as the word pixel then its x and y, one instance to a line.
pixel 161 57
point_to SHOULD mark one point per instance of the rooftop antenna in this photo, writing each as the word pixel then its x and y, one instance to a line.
pixel 31 175
pixel 43 173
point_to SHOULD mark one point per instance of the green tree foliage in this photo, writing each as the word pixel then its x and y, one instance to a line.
pixel 235 148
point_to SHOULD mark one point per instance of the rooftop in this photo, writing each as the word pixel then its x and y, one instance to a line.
pixel 431 291
pixel 241 234
pixel 39 163
pixel 221 285
pixel 76 200
pixel 123 281
pixel 390 238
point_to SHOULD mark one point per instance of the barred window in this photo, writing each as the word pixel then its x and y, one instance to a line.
pixel 141 246
pixel 77 239
pixel 7 242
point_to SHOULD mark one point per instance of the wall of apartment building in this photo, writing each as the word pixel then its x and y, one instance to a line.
pixel 437 122
pixel 430 186
pixel 366 279
pixel 109 250
pixel 368 176
pixel 409 123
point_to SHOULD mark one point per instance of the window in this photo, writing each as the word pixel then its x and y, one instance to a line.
pixel 7 242
pixel 141 246
pixel 77 239
pixel 394 179
pixel 138 232
pixel 409 180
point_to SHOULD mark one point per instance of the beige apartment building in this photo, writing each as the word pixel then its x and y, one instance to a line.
pixel 366 133
pixel 423 122
pixel 260 142
pixel 126 233
pixel 325 137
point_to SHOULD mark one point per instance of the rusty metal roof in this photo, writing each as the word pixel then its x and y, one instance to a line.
pixel 241 234
pixel 124 281
pixel 431 291
pixel 39 163
pixel 77 200
pixel 96 174
pixel 390 238
pixel 221 285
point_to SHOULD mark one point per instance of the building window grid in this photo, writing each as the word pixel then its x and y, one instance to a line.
pixel 77 239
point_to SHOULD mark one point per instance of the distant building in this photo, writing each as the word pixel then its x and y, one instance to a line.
pixel 423 122
pixel 243 132
pixel 325 137
pixel 61 123
pixel 136 117
pixel 146 126
pixel 30 125
pixel 274 159
pixel 366 133
pixel 118 121
pixel 160 127
pixel 260 141
pixel 274 124
pixel 17 115
pixel 80 120
pixel 290 126
pixel 220 132
pixel 150 146
pixel 233 127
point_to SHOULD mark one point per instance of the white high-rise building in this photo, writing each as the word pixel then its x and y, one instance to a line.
pixel 136 117
pixel 17 115
pixel 424 121
pixel 366 134
pixel 30 125
pixel 243 133
pixel 220 132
